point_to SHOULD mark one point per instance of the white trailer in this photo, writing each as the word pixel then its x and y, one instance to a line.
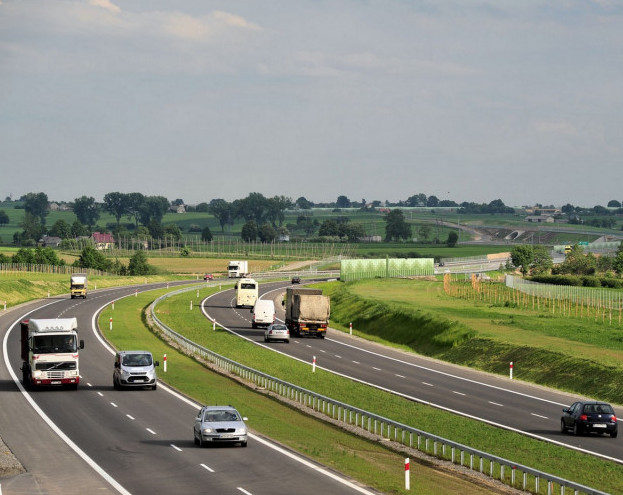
pixel 237 269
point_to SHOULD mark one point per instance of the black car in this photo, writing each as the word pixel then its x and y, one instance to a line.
pixel 586 417
pixel 296 280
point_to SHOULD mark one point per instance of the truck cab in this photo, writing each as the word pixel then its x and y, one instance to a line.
pixel 78 285
pixel 237 269
pixel 50 352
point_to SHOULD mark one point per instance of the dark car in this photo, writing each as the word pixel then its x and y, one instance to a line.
pixel 586 417
pixel 296 280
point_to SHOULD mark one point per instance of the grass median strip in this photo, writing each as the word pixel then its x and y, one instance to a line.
pixel 556 460
pixel 366 461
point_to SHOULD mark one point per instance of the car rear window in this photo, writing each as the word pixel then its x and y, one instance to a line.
pixel 598 409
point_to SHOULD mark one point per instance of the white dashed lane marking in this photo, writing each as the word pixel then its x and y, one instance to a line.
pixel 100 394
pixel 89 384
pixel 496 404
pixel 176 448
pixel 207 468
pixel 322 350
pixel 428 384
pixel 375 368
pixel 131 417
pixel 539 416
pixel 457 393
pixel 337 356
pixel 400 376
pixel 356 362
pixel 113 404
pixel 151 431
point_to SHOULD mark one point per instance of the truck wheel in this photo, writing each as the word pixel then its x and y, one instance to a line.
pixel 26 381
pixel 321 335
pixel 72 296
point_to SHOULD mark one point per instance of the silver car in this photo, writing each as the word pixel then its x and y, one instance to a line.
pixel 277 331
pixel 135 369
pixel 219 424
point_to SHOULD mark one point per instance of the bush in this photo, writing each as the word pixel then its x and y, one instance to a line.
pixel 591 282
pixel 612 283
pixel 139 266
pixel 185 252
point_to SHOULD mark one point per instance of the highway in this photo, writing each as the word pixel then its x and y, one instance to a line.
pixel 138 441
pixel 512 404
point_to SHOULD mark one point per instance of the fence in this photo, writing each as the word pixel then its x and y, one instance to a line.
pixel 508 472
pixel 356 269
pixel 582 296
pixel 62 269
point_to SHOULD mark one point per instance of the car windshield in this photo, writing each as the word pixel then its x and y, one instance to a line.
pixel 54 343
pixel 598 409
pixel 279 327
pixel 247 286
pixel 136 360
pixel 221 416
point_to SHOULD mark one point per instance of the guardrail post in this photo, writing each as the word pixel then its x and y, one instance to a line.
pixel 502 472
pixel 462 457
pixel 481 464
pixel 525 480
pixel 452 453
pixel 513 468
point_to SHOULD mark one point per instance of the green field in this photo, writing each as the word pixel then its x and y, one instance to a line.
pixel 369 462
pixel 557 460
pixel 573 354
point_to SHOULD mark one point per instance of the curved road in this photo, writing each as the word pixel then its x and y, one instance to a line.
pixel 139 441
pixel 520 406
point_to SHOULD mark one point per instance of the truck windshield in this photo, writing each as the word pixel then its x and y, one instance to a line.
pixel 77 286
pixel 247 286
pixel 232 267
pixel 136 360
pixel 46 344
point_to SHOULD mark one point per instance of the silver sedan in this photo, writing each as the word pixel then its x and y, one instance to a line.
pixel 219 424
pixel 277 331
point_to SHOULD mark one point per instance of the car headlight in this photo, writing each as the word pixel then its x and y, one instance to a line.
pixel 207 430
pixel 241 430
pixel 38 373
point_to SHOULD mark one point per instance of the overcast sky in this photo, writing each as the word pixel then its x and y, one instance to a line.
pixel 467 100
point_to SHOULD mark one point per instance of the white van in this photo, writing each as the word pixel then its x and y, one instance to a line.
pixel 247 293
pixel 263 313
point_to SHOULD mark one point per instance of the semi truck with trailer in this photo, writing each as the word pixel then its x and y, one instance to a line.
pixel 307 312
pixel 50 352
pixel 78 285
pixel 237 269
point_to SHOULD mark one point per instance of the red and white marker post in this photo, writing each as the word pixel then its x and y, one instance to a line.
pixel 113 305
pixel 164 363
pixel 350 328
pixel 110 323
pixel 314 364
pixel 511 370
pixel 407 474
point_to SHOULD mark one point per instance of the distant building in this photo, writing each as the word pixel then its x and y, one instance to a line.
pixel 103 241
pixel 371 238
pixel 53 206
pixel 535 210
pixel 178 208
pixel 64 207
pixel 284 237
pixel 539 219
pixel 50 241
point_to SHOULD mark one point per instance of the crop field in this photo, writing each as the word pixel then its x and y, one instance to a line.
pixel 565 462
pixel 581 355
pixel 369 462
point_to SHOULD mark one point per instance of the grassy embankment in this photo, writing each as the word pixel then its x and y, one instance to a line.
pixel 557 460
pixel 578 355
pixel 20 287
pixel 369 462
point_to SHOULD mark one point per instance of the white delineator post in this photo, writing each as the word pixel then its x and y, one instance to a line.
pixel 314 365
pixel 110 323
pixel 511 370
pixel 214 325
pixel 350 328
pixel 197 292
pixel 113 305
pixel 48 293
pixel 136 293
pixel 5 305
pixel 191 305
pixel 407 474
pixel 164 363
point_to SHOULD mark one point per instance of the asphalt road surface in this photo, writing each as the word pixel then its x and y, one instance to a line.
pixel 512 404
pixel 136 441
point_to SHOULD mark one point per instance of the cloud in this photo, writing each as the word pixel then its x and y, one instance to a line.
pixel 106 4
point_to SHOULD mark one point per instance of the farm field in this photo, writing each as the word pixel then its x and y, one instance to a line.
pixel 418 315
pixel 369 462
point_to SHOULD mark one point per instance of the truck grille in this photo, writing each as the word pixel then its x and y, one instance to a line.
pixel 55 375
pixel 67 365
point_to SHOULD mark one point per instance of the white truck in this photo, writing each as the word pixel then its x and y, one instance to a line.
pixel 50 352
pixel 78 285
pixel 237 269
pixel 263 313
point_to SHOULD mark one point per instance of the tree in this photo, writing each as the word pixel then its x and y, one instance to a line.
pixel 352 231
pixel 522 257
pixel 91 258
pixel 153 208
pixel 396 227
pixel 202 208
pixel 117 204
pixel 206 235
pixel 424 231
pixel 303 203
pixel 249 231
pixel 253 207
pixel 33 229
pixel 342 202
pixel 541 260
pixel 37 205
pixel 79 229
pixel 267 233
pixel 86 210
pixel 329 228
pixel 617 264
pixel 155 229
pixel 432 201
pixel 23 256
pixel 613 203
pixel 46 256
pixel 222 211
pixel 135 201
pixel 138 264
pixel 275 209
pixel 453 238
pixel 173 231
pixel 177 202
pixel 61 229
pixel 4 218
pixel 416 200
pixel 568 209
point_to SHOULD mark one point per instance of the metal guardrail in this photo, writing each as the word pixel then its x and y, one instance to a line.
pixel 300 273
pixel 471 268
pixel 510 473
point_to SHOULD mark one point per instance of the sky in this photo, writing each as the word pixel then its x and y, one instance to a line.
pixel 198 99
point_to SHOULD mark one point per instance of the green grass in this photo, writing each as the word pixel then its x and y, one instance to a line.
pixel 20 287
pixel 556 460
pixel 578 355
pixel 366 461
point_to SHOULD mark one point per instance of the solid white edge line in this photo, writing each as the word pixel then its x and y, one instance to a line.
pixel 96 467
pixel 207 468
pixel 417 399
pixel 271 445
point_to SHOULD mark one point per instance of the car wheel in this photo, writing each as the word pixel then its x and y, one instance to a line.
pixel 563 428
pixel 243 444
pixel 154 386
pixel 577 429
pixel 115 385
pixel 287 341
pixel 195 438
pixel 614 434
pixel 253 325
